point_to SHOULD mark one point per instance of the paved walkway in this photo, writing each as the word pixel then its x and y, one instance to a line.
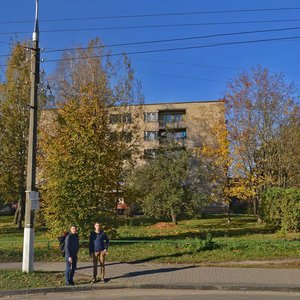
pixel 177 276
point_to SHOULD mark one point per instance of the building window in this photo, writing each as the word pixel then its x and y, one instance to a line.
pixel 150 135
pixel 120 118
pixel 149 153
pixel 172 135
pixel 121 136
pixel 151 117
pixel 114 119
pixel 126 118
pixel 126 136
pixel 171 117
pixel 179 135
pixel 127 154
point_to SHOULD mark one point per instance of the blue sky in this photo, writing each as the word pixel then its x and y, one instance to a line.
pixel 183 75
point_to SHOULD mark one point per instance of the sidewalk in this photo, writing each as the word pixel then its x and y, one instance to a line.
pixel 175 276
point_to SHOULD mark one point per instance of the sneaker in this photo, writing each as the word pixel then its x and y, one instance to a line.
pixel 102 280
pixel 94 280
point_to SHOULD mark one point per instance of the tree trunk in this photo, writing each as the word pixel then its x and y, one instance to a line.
pixel 256 210
pixel 16 216
pixel 254 207
pixel 228 214
pixel 21 211
pixel 174 217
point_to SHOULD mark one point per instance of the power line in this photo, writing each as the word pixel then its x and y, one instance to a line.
pixel 157 15
pixel 179 76
pixel 175 49
pixel 153 26
pixel 7 43
pixel 179 48
pixel 207 66
pixel 177 39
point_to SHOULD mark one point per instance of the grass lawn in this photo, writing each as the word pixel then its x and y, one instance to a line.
pixel 243 239
pixel 14 280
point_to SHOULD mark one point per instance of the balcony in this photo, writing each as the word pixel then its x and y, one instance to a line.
pixel 171 119
pixel 171 124
pixel 178 136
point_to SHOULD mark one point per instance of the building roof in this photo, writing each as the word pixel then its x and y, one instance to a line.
pixel 183 102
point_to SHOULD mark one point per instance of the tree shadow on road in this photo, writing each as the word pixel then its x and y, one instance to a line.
pixel 149 272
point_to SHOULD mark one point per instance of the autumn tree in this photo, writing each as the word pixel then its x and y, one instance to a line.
pixel 84 138
pixel 260 107
pixel 214 152
pixel 14 124
pixel 14 127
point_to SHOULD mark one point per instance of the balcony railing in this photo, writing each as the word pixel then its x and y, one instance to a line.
pixel 173 124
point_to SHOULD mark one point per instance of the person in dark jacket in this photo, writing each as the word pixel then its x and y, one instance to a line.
pixel 71 250
pixel 98 248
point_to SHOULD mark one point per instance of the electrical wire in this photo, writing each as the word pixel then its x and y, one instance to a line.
pixel 206 66
pixel 174 49
pixel 153 26
pixel 176 39
pixel 171 40
pixel 180 48
pixel 158 15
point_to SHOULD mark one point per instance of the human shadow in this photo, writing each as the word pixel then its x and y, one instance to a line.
pixel 91 266
pixel 149 272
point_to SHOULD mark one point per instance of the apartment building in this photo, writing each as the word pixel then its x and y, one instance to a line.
pixel 149 126
pixel 185 122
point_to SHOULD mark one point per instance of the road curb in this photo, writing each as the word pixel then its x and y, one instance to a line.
pixel 90 287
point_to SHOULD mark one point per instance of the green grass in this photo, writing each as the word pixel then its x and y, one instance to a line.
pixel 243 239
pixel 14 280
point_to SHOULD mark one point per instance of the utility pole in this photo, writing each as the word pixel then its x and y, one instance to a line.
pixel 31 193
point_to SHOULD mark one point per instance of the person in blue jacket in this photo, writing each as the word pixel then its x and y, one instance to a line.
pixel 98 249
pixel 71 251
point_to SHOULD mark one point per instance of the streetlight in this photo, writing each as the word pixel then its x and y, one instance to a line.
pixel 31 193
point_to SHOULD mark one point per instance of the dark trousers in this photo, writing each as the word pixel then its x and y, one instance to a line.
pixel 70 270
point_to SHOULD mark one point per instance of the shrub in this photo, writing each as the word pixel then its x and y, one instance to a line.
pixel 197 245
pixel 281 207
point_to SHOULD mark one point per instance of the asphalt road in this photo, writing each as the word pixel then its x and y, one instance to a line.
pixel 145 294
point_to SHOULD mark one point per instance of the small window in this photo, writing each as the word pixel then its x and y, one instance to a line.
pixel 180 135
pixel 150 135
pixel 149 153
pixel 114 136
pixel 177 135
pixel 114 119
pixel 120 118
pixel 127 154
pixel 126 118
pixel 151 117
pixel 121 136
pixel 126 136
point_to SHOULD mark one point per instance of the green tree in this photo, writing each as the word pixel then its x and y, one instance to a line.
pixel 164 186
pixel 82 154
pixel 281 207
pixel 14 123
